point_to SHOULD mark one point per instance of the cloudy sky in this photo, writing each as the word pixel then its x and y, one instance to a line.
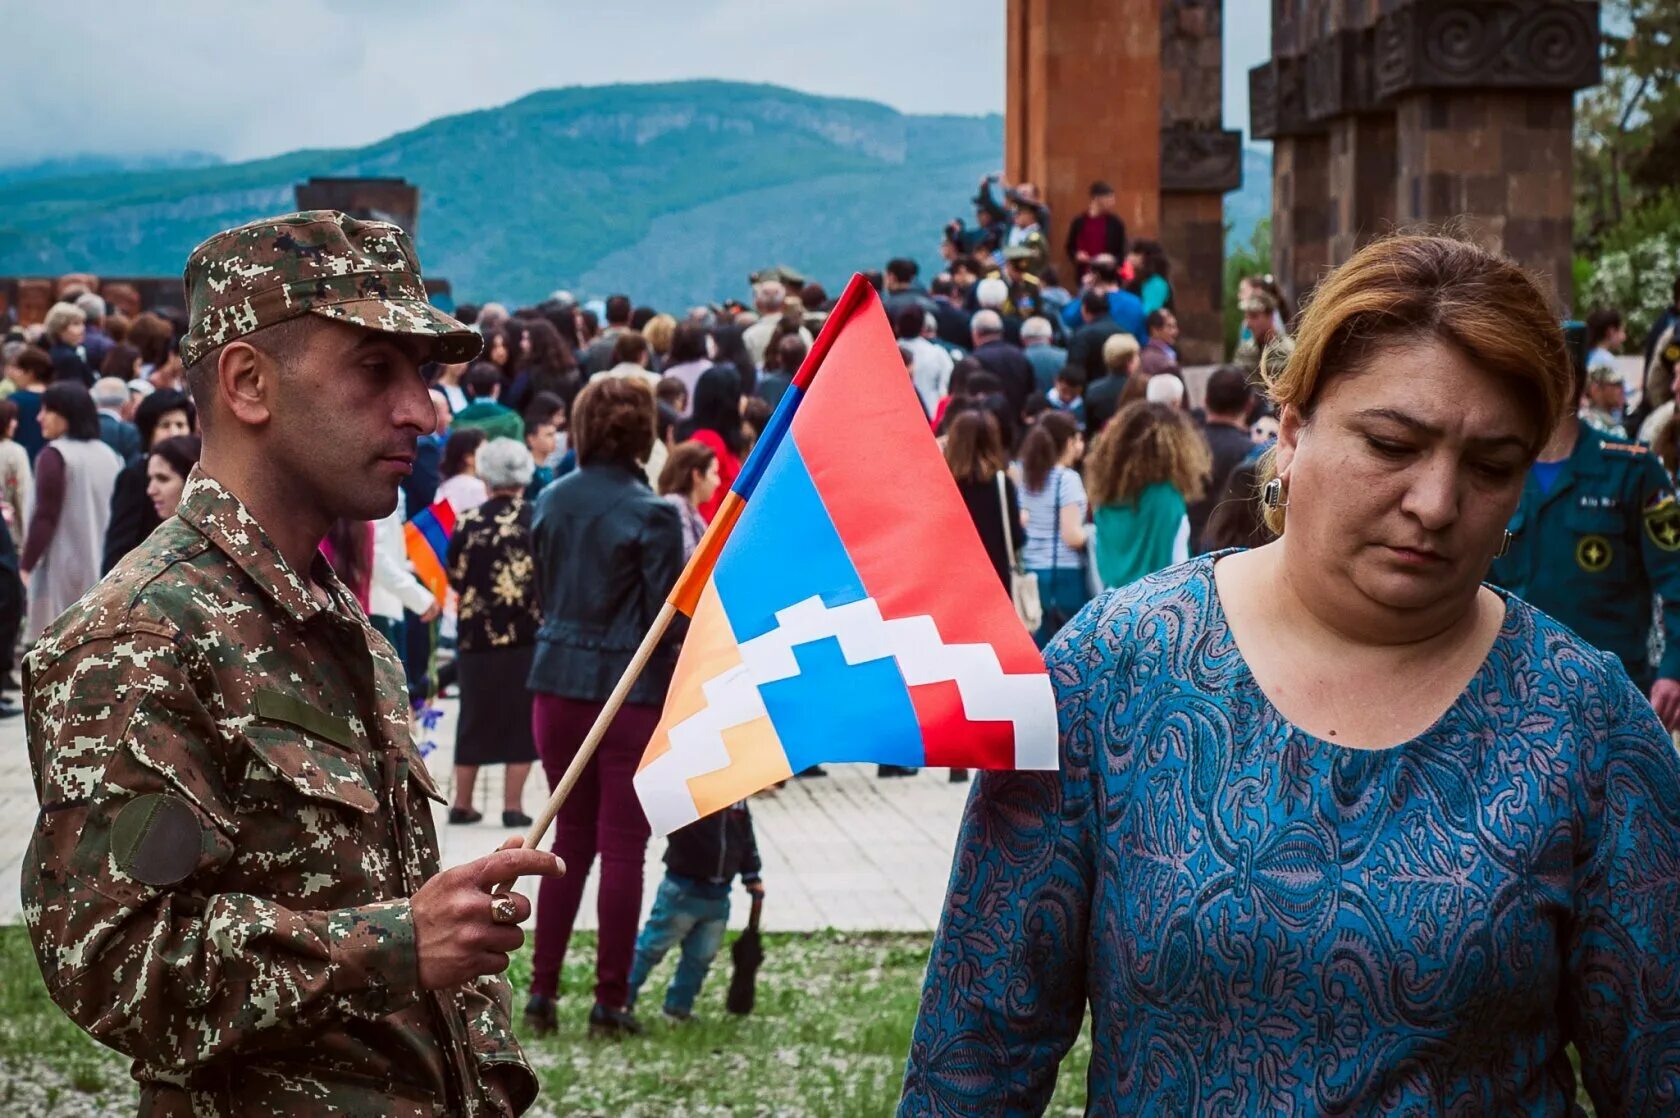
pixel 259 77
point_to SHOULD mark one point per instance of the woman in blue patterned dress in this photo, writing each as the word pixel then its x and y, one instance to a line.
pixel 1338 829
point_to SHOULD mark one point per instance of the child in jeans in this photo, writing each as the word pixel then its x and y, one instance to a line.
pixel 692 905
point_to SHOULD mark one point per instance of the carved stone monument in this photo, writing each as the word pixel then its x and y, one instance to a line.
pixel 1130 92
pixel 1398 113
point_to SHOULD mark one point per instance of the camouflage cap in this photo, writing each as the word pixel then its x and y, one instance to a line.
pixel 315 262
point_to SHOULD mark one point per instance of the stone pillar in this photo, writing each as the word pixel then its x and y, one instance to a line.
pixel 1499 164
pixel 392 200
pixel 1200 161
pixel 1437 112
pixel 1301 213
pixel 1084 103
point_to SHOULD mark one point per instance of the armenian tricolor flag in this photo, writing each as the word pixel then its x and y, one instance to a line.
pixel 426 537
pixel 842 604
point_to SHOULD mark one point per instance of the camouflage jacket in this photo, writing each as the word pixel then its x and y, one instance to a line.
pixel 232 820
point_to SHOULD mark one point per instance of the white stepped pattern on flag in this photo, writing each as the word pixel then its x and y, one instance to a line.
pixel 733 698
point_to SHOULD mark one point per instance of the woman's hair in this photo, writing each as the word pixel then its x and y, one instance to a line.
pixel 1415 288
pixel 180 451
pixel 8 415
pixel 1600 321
pixel 119 362
pixel 1044 446
pixel 1143 444
pixel 1155 262
pixel 513 334
pixel 550 355
pixel 1119 351
pixel 688 343
pixel 659 332
pixel 75 404
pixel 680 465
pixel 1238 519
pixel 35 361
pixel 504 464
pixel 973 447
pixel 152 335
pixel 612 422
pixel 151 410
pixel 60 316
pixel 960 374
pixel 717 407
pixel 463 443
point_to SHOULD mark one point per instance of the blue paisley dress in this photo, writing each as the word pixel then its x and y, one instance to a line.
pixel 1265 923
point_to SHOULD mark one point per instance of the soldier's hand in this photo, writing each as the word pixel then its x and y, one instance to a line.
pixel 1665 699
pixel 456 937
pixel 432 612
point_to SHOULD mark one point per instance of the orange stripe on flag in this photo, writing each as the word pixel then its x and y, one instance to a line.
pixel 697 575
pixel 708 651
pixel 756 760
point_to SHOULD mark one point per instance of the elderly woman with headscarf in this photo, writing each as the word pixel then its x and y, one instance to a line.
pixel 494 575
pixel 1337 828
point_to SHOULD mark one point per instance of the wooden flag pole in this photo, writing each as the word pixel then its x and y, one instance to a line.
pixel 609 711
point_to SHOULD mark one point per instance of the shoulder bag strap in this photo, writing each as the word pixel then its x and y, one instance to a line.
pixel 1056 523
pixel 1003 513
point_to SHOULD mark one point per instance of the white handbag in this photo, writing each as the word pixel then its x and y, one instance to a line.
pixel 1023 585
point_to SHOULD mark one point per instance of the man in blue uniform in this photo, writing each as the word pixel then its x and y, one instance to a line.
pixel 1596 534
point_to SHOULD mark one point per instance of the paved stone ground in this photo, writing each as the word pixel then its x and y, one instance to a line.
pixel 851 851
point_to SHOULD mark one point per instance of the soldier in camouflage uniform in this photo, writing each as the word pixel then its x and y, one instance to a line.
pixel 234 875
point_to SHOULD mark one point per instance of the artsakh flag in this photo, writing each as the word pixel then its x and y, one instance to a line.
pixel 426 537
pixel 843 607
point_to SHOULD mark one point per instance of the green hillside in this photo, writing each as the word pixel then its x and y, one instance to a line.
pixel 672 192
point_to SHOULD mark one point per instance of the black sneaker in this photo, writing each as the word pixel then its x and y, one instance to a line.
pixel 812 772
pixel 895 770
pixel 958 776
pixel 540 1017
pixel 515 819
pixel 677 1016
pixel 464 815
pixel 613 1023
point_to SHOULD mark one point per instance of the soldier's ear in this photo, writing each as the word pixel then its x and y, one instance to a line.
pixel 245 383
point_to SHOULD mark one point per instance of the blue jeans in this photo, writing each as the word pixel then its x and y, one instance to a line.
pixel 1061 593
pixel 687 912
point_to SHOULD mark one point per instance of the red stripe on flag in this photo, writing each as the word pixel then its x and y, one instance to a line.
pixel 865 440
pixel 950 740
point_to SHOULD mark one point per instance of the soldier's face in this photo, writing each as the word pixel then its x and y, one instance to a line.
pixel 353 407
pixel 1401 483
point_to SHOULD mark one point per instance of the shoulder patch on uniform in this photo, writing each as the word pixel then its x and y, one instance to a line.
pixel 1662 523
pixel 157 839
pixel 1626 448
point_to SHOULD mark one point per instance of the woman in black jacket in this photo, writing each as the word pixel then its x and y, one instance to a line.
pixel 164 414
pixel 608 552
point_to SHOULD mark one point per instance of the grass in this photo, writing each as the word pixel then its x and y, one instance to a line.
pixel 828 1037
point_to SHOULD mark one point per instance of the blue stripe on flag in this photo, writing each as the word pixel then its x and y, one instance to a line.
pixel 784 550
pixel 433 531
pixel 752 471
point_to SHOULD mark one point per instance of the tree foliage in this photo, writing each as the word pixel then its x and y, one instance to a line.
pixel 1627 129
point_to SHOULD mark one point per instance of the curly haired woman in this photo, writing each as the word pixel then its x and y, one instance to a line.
pixel 1143 472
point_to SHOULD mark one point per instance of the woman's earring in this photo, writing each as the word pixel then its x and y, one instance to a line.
pixel 1271 495
pixel 1504 546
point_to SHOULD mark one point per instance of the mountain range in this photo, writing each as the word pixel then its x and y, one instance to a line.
pixel 673 192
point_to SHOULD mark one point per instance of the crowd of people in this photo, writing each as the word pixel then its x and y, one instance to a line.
pixel 584 451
